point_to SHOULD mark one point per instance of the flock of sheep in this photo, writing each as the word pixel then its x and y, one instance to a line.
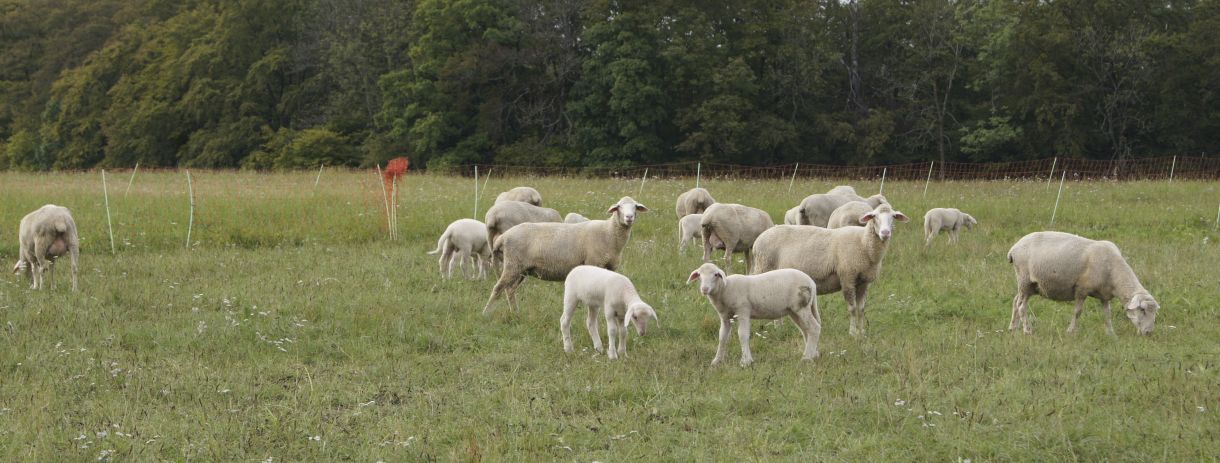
pixel 832 242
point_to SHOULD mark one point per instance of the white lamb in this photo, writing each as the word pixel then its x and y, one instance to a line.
pixel 598 288
pixel 848 215
pixel 768 296
pixel 1065 267
pixel 522 193
pixel 573 217
pixel 549 251
pixel 847 259
pixel 464 239
pixel 45 235
pixel 816 209
pixel 732 227
pixel 793 216
pixel 693 201
pixel 689 229
pixel 507 214
pixel 950 220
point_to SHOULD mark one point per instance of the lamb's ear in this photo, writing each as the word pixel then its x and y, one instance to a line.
pixel 720 274
pixel 656 320
pixel 641 208
pixel 867 217
pixel 612 209
pixel 901 217
pixel 693 276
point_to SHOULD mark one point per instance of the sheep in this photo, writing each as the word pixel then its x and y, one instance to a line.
pixel 848 215
pixel 523 194
pixel 766 296
pixel 845 190
pixel 732 227
pixel 549 251
pixel 793 216
pixel 1065 267
pixel 816 209
pixel 693 201
pixel 573 217
pixel 596 287
pixel 465 239
pixel 689 229
pixel 505 215
pixel 941 219
pixel 843 259
pixel 45 235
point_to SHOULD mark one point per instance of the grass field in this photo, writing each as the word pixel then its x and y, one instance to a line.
pixel 292 329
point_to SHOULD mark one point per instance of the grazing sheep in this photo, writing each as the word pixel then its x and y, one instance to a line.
pixel 768 296
pixel 573 217
pixel 689 229
pixel 506 214
pixel 793 216
pixel 951 220
pixel 465 239
pixel 845 190
pixel 45 235
pixel 848 215
pixel 732 227
pixel 522 193
pixel 1065 267
pixel 613 293
pixel 693 201
pixel 847 259
pixel 816 209
pixel 549 251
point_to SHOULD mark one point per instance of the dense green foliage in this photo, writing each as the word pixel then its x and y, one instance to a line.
pixel 262 84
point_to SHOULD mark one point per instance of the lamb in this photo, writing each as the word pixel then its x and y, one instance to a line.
pixel 465 239
pixel 767 296
pixel 573 217
pixel 45 235
pixel 732 227
pixel 846 259
pixel 689 229
pixel 793 216
pixel 1065 267
pixel 596 287
pixel 693 201
pixel 549 251
pixel 816 209
pixel 848 215
pixel 522 193
pixel 941 219
pixel 507 214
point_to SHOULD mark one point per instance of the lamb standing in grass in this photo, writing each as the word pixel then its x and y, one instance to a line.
pixel 732 227
pixel 768 296
pixel 816 209
pixel 464 239
pixel 847 259
pixel 45 235
pixel 689 229
pixel 693 201
pixel 573 217
pixel 1065 267
pixel 950 220
pixel 508 214
pixel 549 251
pixel 523 194
pixel 598 288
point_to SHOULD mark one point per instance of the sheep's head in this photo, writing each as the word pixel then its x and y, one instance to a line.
pixel 970 222
pixel 1141 310
pixel 710 278
pixel 624 211
pixel 882 218
pixel 639 314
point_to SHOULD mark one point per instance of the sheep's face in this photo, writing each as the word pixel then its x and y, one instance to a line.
pixel 1142 312
pixel 639 315
pixel 625 211
pixel 710 278
pixel 883 220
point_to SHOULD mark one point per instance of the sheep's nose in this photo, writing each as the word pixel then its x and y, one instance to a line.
pixel 885 234
pixel 705 290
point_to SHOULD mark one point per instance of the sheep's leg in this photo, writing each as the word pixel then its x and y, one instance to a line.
pixel 41 262
pixel 953 235
pixel 1105 307
pixel 861 297
pixel 1023 312
pixel 591 324
pixel 74 254
pixel 1076 314
pixel 728 255
pixel 565 321
pixel 724 339
pixel 613 348
pixel 622 339
pixel 707 249
pixel 446 262
pixel 512 294
pixel 1016 317
pixel 465 253
pixel 743 336
pixel 507 283
pixel 810 329
pixel 849 296
pixel 749 262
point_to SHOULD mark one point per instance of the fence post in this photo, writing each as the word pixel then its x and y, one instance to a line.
pixel 106 196
pixel 929 180
pixel 642 179
pixel 133 178
pixel 486 178
pixel 1217 225
pixel 475 215
pixel 1060 195
pixel 698 173
pixel 190 188
pixel 882 189
pixel 794 169
pixel 1171 167
pixel 1052 175
pixel 385 195
pixel 319 179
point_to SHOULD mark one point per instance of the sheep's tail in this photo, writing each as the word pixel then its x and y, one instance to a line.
pixel 60 225
pixel 1010 256
pixel 440 244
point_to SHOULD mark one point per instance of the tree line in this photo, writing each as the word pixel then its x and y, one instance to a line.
pixel 298 83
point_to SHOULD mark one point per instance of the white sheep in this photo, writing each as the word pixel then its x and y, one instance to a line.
pixel 523 194
pixel 767 296
pixel 573 217
pixel 549 251
pixel 464 239
pixel 1065 267
pixel 598 288
pixel 507 214
pixel 950 220
pixel 689 229
pixel 847 259
pixel 45 235
pixel 693 201
pixel 848 215
pixel 793 216
pixel 816 209
pixel 732 227
pixel 845 190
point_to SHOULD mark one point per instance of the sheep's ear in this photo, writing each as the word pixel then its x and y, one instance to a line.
pixel 656 320
pixel 693 276
pixel 720 274
pixel 867 217
pixel 612 209
pixel 641 208
pixel 901 217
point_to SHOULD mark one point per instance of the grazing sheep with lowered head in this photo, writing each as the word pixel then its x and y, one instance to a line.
pixel 816 209
pixel 732 227
pixel 522 193
pixel 464 239
pixel 768 296
pixel 693 201
pixel 598 288
pixel 45 235
pixel 950 220
pixel 507 214
pixel 689 229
